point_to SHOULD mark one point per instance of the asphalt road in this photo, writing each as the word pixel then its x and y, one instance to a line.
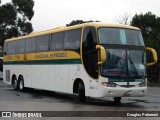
pixel 38 100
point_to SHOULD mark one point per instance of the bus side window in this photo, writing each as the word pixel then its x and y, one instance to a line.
pixel 12 47
pixel 31 45
pixel 5 48
pixel 43 43
pixel 72 39
pixel 57 42
pixel 20 47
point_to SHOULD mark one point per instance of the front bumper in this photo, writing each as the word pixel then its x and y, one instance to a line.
pixel 122 92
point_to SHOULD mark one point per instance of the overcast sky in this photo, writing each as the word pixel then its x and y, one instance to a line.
pixel 53 13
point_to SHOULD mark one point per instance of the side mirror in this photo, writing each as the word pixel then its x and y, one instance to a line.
pixel 101 54
pixel 154 53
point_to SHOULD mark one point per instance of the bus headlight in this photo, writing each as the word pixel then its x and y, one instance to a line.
pixel 143 84
pixel 109 84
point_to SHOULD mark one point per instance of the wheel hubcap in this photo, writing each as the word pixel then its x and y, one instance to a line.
pixel 21 85
pixel 15 83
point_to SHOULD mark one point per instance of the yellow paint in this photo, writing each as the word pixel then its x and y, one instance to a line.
pixel 17 57
pixel 154 53
pixel 58 55
pixel 102 54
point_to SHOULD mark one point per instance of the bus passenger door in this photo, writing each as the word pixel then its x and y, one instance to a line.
pixel 90 59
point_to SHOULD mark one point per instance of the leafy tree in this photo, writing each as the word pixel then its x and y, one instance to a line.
pixel 15 19
pixel 76 22
pixel 150 28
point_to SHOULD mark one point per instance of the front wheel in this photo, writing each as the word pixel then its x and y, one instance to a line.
pixel 21 84
pixel 81 93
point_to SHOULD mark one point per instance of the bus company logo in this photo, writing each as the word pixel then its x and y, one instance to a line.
pixel 6 114
pixel 50 56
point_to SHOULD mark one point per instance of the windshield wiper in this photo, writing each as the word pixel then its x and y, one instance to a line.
pixel 132 66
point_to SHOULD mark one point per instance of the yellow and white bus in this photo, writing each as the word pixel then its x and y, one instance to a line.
pixel 91 60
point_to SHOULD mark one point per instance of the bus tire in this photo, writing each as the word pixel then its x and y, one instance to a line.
pixel 15 83
pixel 81 93
pixel 21 84
pixel 117 100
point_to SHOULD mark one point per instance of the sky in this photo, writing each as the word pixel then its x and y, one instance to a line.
pixel 54 13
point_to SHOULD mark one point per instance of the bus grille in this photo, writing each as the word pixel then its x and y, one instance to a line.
pixel 127 86
pixel 8 75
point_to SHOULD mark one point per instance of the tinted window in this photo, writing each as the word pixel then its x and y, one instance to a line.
pixel 57 42
pixel 12 47
pixel 20 46
pixel 72 39
pixel 120 36
pixel 124 63
pixel 31 44
pixel 43 43
pixel 5 48
pixel 90 54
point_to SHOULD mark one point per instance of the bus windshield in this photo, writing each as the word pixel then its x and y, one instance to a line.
pixel 120 36
pixel 124 63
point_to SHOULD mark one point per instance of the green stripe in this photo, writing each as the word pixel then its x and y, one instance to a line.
pixel 126 80
pixel 45 62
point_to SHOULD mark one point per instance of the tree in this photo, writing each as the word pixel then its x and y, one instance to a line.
pixel 15 19
pixel 150 28
pixel 76 22
pixel 124 19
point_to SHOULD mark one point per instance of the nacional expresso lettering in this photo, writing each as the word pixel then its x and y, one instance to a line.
pixel 52 55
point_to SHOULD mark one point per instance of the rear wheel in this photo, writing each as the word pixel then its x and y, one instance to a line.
pixel 81 92
pixel 15 83
pixel 117 100
pixel 21 84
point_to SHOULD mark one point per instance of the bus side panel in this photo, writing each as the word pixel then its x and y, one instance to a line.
pixel 17 70
pixel 43 76
pixel 50 77
pixel 94 88
pixel 72 76
pixel 24 71
pixel 61 73
pixel 76 71
pixel 7 74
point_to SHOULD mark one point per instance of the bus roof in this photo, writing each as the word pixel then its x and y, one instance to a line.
pixel 59 29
